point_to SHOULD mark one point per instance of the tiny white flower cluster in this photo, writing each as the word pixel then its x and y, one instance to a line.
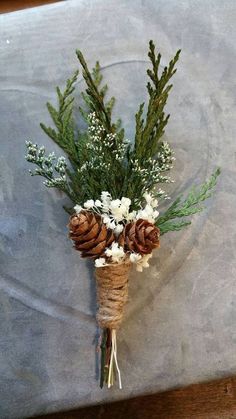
pixel 115 252
pixel 143 262
pixel 149 212
pixel 99 142
pixel 140 261
pixel 151 169
pixel 95 128
pixel 94 163
pixel 117 255
pixel 46 165
pixel 165 157
pixel 113 211
pixel 61 166
pixel 116 212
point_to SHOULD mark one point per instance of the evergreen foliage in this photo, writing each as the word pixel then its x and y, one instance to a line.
pixel 188 206
pixel 102 159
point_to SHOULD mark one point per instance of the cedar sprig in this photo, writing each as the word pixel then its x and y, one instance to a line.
pixel 101 91
pixel 75 142
pixel 149 130
pixel 64 133
pixel 189 206
pixel 49 167
pixel 96 99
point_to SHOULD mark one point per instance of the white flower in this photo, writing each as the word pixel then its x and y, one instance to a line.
pixel 123 208
pixel 118 229
pixel 100 262
pixel 117 214
pixel 105 196
pixel 148 197
pixel 106 219
pixel 106 199
pixel 150 200
pixel 135 257
pixel 147 214
pixel 154 203
pixel 77 208
pixel 98 203
pixel 89 204
pixel 115 203
pixel 111 225
pixel 143 262
pixel 126 202
pixel 131 216
pixel 142 214
pixel 155 214
pixel 116 252
pixel 148 208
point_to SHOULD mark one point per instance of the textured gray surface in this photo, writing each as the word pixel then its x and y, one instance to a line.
pixel 180 321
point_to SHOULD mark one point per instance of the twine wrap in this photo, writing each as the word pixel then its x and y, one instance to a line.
pixel 112 294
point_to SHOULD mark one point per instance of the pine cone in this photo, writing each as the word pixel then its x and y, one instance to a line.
pixel 89 234
pixel 140 237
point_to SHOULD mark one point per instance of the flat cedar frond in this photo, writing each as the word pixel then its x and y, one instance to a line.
pixel 149 130
pixel 173 226
pixel 101 90
pixel 62 117
pixel 189 206
pixel 96 98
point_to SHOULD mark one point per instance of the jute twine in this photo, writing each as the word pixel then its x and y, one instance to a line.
pixel 112 293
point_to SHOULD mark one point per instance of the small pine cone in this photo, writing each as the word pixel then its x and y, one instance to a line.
pixel 89 233
pixel 140 237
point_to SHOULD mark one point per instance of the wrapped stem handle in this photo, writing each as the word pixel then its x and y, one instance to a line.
pixel 112 294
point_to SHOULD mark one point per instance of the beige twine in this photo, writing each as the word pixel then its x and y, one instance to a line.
pixel 112 293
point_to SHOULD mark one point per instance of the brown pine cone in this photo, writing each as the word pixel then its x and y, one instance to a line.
pixel 140 237
pixel 89 233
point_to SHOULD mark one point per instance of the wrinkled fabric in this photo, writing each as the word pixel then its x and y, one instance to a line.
pixel 179 326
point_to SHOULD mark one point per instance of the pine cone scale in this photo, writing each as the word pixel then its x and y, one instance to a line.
pixel 92 233
pixel 81 229
pixel 140 235
pixel 96 250
pixel 84 245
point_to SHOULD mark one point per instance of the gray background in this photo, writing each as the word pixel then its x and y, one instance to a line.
pixel 180 320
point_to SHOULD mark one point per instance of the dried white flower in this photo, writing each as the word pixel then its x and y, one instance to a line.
pixel 135 257
pixel 106 219
pixel 143 262
pixel 77 208
pixel 115 203
pixel 131 216
pixel 115 252
pixel 98 203
pixel 89 204
pixel 105 196
pixel 126 202
pixel 148 197
pixel 118 229
pixel 111 225
pixel 100 262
